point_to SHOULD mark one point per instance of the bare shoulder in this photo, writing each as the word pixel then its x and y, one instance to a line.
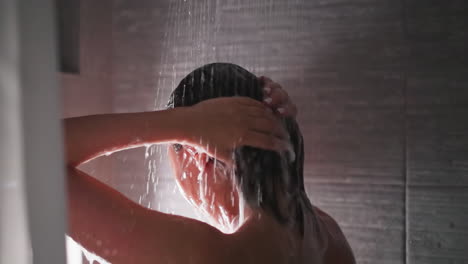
pixel 339 250
pixel 267 242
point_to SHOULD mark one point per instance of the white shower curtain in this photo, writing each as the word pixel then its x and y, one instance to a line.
pixel 32 204
pixel 14 239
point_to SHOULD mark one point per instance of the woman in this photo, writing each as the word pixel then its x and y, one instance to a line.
pixel 235 160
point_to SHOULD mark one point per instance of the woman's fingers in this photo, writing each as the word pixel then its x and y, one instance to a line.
pixel 271 88
pixel 265 80
pixel 277 98
pixel 287 110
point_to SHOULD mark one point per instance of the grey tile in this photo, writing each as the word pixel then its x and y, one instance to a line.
pixel 353 126
pixel 325 34
pixel 436 31
pixel 437 87
pixel 95 38
pixel 438 225
pixel 438 146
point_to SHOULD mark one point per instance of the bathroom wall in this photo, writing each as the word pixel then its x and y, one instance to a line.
pixel 381 88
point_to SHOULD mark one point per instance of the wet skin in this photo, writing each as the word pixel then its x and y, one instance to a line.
pixel 121 231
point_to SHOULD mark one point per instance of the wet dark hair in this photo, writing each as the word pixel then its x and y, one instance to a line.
pixel 262 175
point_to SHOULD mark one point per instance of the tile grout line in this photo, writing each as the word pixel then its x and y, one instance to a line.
pixel 404 21
pixel 405 169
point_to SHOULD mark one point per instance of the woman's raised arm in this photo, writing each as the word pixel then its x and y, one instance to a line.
pixel 88 137
pixel 218 125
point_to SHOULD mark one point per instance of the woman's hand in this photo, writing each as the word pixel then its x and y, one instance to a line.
pixel 277 98
pixel 222 124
